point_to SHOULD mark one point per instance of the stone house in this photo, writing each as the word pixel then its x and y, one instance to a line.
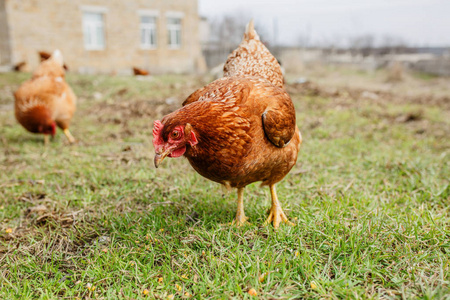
pixel 103 36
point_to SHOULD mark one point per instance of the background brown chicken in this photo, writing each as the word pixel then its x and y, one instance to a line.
pixel 239 129
pixel 46 100
pixel 139 71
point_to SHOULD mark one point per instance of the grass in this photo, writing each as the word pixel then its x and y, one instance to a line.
pixel 369 197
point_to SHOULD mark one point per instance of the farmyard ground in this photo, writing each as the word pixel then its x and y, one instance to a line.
pixel 369 197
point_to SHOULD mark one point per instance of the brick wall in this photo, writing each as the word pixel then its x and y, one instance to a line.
pixel 36 25
pixel 5 51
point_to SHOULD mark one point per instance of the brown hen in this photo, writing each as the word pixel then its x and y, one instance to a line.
pixel 239 129
pixel 46 100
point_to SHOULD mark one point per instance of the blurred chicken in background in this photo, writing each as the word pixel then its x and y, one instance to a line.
pixel 46 100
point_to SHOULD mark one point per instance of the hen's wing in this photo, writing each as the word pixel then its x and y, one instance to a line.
pixel 253 59
pixel 279 123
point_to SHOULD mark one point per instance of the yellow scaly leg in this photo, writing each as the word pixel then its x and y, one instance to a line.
pixel 240 219
pixel 276 215
pixel 69 136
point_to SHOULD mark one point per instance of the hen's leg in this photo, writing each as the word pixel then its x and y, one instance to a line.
pixel 276 214
pixel 69 136
pixel 240 219
pixel 46 139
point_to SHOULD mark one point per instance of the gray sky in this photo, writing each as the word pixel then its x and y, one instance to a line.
pixel 418 22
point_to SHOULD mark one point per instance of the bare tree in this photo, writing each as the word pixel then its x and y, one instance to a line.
pixel 369 44
pixel 392 44
pixel 226 34
pixel 362 44
pixel 227 30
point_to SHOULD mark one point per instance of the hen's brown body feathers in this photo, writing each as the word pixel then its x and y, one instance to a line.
pixel 246 131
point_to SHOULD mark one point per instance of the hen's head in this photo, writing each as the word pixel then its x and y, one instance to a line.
pixel 49 128
pixel 172 140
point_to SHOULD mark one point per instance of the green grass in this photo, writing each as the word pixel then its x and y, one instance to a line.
pixel 369 196
pixel 425 76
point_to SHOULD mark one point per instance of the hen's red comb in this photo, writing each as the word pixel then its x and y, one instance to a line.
pixel 157 129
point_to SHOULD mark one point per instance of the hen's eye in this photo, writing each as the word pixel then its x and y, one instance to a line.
pixel 175 135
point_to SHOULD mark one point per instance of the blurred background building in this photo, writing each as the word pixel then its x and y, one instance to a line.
pixel 170 36
pixel 103 36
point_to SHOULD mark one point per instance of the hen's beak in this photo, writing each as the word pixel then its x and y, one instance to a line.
pixel 159 157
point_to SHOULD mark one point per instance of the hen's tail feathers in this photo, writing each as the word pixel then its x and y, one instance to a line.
pixel 250 32
pixel 252 59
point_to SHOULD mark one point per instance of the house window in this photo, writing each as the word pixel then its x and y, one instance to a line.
pixel 174 32
pixel 148 32
pixel 93 30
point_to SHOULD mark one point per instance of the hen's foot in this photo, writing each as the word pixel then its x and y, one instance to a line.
pixel 276 216
pixel 240 221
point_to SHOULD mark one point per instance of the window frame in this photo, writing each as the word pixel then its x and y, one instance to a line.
pixel 150 27
pixel 173 29
pixel 91 27
pixel 174 33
